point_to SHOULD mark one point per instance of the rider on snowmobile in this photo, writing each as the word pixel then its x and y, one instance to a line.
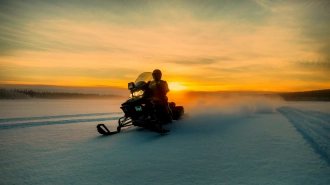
pixel 160 89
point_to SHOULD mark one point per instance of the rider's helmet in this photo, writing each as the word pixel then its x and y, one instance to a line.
pixel 157 74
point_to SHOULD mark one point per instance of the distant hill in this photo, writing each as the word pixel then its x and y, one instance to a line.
pixel 68 89
pixel 315 95
pixel 27 94
pixel 5 94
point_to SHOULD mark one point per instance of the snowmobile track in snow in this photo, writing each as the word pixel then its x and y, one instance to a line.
pixel 10 123
pixel 314 127
pixel 57 116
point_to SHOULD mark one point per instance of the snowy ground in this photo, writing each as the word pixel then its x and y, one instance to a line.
pixel 253 141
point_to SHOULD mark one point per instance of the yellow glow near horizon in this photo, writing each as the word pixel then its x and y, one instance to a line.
pixel 210 46
pixel 176 86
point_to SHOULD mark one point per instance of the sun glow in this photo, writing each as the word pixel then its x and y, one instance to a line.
pixel 176 86
pixel 103 44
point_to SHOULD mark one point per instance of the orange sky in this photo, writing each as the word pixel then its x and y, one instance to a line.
pixel 207 45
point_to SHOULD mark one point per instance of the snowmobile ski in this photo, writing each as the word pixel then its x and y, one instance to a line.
pixel 102 129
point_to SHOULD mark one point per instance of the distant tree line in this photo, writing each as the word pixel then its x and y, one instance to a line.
pixel 316 95
pixel 28 93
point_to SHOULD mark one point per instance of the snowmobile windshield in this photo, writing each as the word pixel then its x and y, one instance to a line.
pixel 143 78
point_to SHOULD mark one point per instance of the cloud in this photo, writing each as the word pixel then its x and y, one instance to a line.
pixel 266 4
pixel 310 21
pixel 323 65
pixel 204 43
pixel 200 61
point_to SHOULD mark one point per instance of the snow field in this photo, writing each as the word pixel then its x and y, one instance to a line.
pixel 247 141
pixel 314 127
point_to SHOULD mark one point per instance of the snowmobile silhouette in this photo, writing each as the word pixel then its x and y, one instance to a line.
pixel 141 110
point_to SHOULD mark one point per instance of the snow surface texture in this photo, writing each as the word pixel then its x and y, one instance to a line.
pixel 314 126
pixel 244 140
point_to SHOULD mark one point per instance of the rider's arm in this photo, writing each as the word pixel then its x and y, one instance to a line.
pixel 166 89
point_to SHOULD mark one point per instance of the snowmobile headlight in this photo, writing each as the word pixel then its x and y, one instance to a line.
pixel 138 93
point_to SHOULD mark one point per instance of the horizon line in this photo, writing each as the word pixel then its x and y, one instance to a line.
pixel 121 88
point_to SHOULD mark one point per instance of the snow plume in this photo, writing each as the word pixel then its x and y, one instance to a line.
pixel 214 113
pixel 237 104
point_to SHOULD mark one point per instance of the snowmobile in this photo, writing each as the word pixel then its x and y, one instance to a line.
pixel 140 109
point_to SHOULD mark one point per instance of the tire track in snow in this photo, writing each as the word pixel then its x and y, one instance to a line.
pixel 5 120
pixel 314 127
pixel 54 122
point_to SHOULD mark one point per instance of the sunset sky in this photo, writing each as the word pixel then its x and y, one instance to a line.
pixel 260 45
